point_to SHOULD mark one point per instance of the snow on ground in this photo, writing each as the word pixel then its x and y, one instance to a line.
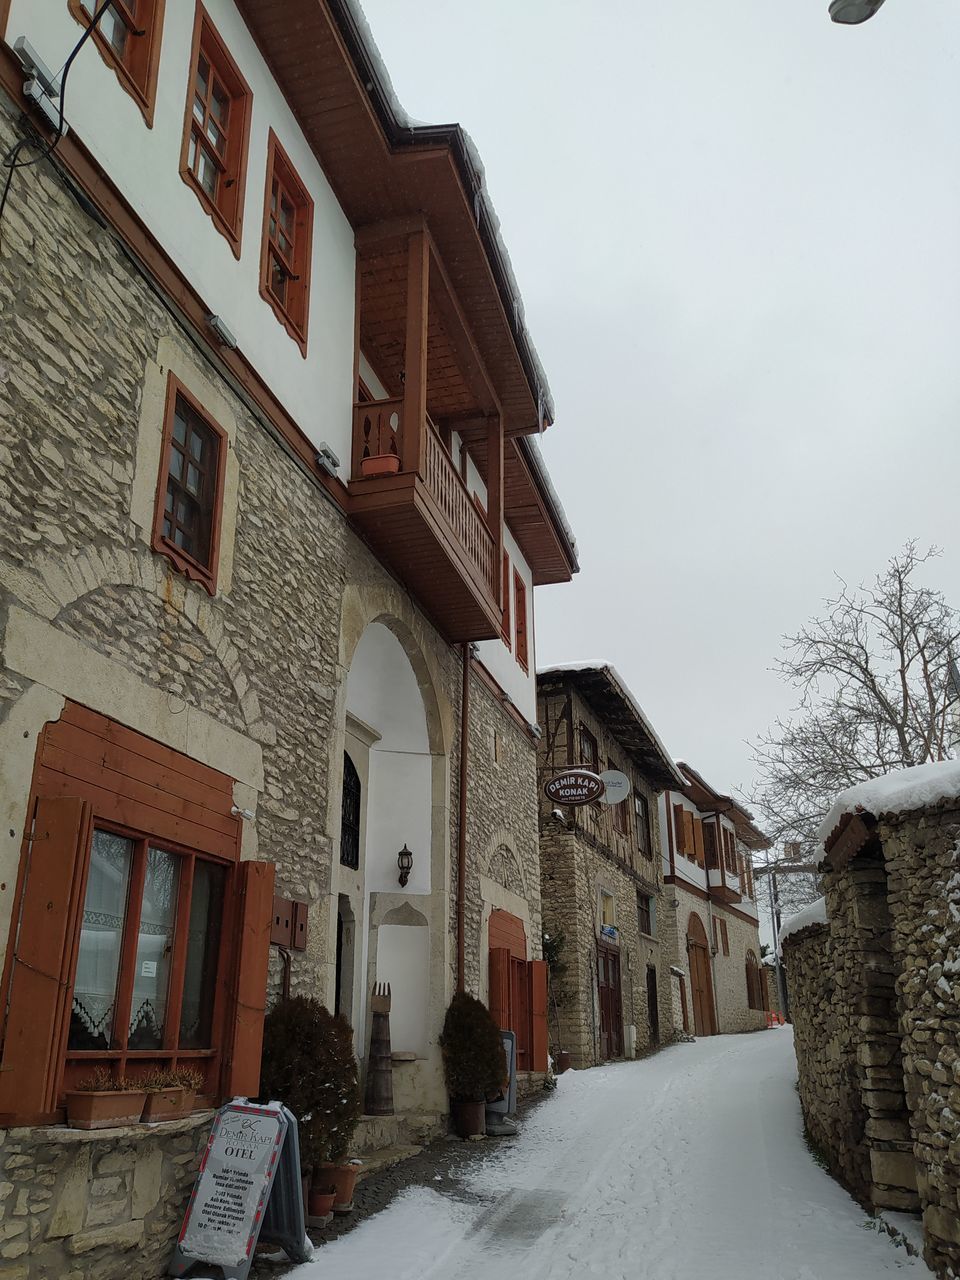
pixel 898 792
pixel 691 1163
pixel 815 913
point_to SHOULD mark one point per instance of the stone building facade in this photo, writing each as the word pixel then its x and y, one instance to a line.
pixel 874 1000
pixel 602 881
pixel 711 924
pixel 157 721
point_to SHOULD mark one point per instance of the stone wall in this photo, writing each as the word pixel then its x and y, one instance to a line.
pixel 730 974
pixel 874 999
pixel 922 856
pixel 107 1203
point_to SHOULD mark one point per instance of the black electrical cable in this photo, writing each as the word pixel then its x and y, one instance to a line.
pixel 11 161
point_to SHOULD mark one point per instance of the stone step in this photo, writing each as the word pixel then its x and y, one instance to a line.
pixel 386 1158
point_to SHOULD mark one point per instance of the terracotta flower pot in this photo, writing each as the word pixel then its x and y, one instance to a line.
pixel 380 464
pixel 343 1179
pixel 320 1202
pixel 165 1104
pixel 104 1109
pixel 469 1118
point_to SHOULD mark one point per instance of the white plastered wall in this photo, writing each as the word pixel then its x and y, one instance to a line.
pixel 144 163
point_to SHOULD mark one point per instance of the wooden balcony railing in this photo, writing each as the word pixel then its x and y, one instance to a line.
pixel 378 430
pixel 471 530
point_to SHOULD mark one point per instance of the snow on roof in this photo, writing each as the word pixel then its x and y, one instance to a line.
pixel 612 675
pixel 816 913
pixel 899 792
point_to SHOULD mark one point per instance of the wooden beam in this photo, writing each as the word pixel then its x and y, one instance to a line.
pixel 415 363
pixel 391 229
pixel 455 322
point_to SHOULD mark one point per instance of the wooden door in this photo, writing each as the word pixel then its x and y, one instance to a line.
pixel 701 988
pixel 653 1007
pixel 520 1010
pixel 611 1003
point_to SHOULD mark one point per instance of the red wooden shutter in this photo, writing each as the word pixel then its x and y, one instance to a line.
pixel 505 618
pixel 43 943
pixel 499 1002
pixel 520 608
pixel 245 1033
pixel 538 1015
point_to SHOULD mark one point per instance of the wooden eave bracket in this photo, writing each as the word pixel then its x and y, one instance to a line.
pixel 849 837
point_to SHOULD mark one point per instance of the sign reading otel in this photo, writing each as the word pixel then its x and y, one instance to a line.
pixel 248 1189
pixel 583 786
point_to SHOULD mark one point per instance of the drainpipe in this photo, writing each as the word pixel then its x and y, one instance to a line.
pixel 462 820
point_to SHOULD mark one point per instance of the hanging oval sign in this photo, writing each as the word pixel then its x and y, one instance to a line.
pixel 616 786
pixel 574 786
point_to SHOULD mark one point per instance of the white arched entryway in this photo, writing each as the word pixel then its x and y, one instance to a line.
pixel 394 794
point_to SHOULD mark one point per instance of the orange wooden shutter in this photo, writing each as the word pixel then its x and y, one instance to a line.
pixel 520 608
pixel 698 840
pixel 43 948
pixel 538 1015
pixel 499 1002
pixel 689 846
pixel 505 616
pixel 678 828
pixel 245 1034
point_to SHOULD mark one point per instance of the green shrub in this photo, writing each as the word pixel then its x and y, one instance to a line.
pixel 474 1063
pixel 308 1064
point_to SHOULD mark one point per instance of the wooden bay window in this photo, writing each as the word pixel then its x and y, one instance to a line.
pixel 140 940
pixel 128 39
pixel 287 244
pixel 213 160
pixel 190 487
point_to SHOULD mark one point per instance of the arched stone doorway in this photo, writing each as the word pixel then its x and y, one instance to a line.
pixel 701 988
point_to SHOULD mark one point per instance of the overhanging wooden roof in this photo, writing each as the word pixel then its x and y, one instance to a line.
pixel 700 793
pixel 601 687
pixel 381 171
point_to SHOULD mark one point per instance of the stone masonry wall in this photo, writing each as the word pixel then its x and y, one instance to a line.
pixel 730 975
pixel 76 1204
pixel 922 855
pixel 825 1045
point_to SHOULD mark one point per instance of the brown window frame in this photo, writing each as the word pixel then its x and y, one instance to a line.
pixel 136 68
pixel 618 811
pixel 594 763
pixel 724 937
pixel 641 811
pixel 520 621
pixel 226 210
pixel 679 835
pixel 645 914
pixel 79 1062
pixel 192 568
pixel 293 313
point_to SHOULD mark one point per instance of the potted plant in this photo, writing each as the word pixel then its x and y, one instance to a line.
pixel 474 1063
pixel 380 464
pixel 164 1095
pixel 191 1080
pixel 308 1064
pixel 103 1101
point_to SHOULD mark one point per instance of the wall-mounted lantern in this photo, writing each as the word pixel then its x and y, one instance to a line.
pixel 405 863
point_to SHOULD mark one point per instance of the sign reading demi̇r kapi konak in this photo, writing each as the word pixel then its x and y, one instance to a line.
pixel 574 786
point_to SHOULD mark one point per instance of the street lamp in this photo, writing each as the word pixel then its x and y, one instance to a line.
pixel 852 12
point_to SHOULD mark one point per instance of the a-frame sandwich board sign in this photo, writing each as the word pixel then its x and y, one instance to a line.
pixel 248 1189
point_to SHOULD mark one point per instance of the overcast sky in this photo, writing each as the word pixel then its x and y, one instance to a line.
pixel 736 228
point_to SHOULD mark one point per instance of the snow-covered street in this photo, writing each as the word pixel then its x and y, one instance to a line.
pixel 691 1163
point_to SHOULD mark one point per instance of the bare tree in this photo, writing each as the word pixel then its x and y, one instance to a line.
pixel 878 692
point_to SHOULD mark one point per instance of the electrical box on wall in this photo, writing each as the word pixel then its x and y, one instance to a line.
pixel 289 924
